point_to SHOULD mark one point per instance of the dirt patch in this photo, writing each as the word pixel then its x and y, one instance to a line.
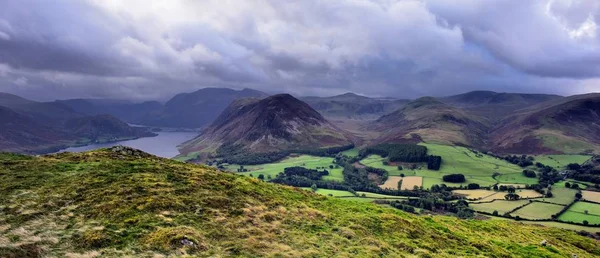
pixel 409 182
pixel 391 183
pixel 591 196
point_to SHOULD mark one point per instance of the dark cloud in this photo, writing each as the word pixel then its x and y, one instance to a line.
pixel 152 50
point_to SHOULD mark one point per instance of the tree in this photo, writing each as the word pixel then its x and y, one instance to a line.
pixel 261 177
pixel 454 178
pixel 578 195
pixel 402 175
pixel 473 186
pixel 495 213
pixel 313 187
pixel 586 211
pixel 575 186
pixel 585 222
pixel 400 168
pixel 330 166
pixel 574 166
pixel 568 185
pixel 495 187
pixel 512 197
pixel 511 189
pixel 529 173
pixel 549 194
pixel 269 177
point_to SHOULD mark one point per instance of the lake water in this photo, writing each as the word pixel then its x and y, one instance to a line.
pixel 162 145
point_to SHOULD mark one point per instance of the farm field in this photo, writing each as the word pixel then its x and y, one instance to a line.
pixel 351 152
pixel 488 195
pixel 477 168
pixel 554 224
pixel 561 161
pixel 562 195
pixel 500 206
pixel 334 193
pixel 577 213
pixel 409 182
pixel 474 194
pixel 582 185
pixel 591 196
pixel 391 183
pixel 538 210
pixel 307 161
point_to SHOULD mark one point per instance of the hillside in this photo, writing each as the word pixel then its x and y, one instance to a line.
pixel 123 202
pixel 279 122
pixel 570 125
pixel 353 106
pixel 123 110
pixel 430 120
pixel 39 127
pixel 494 106
pixel 197 109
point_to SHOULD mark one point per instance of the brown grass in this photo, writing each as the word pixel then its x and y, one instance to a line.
pixel 409 182
pixel 391 183
pixel 591 196
pixel 474 194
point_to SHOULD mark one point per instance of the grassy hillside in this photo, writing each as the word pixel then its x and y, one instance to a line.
pixel 307 161
pixel 124 202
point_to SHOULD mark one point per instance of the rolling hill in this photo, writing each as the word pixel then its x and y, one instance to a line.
pixel 197 109
pixel 121 202
pixel 430 120
pixel 569 125
pixel 279 122
pixel 38 127
pixel 353 106
pixel 124 110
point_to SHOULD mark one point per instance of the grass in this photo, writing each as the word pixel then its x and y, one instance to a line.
pixel 477 168
pixel 561 161
pixel 328 192
pixel 538 210
pixel 582 185
pixel 116 205
pixel 577 213
pixel 351 152
pixel 500 206
pixel 307 161
pixel 554 224
pixel 591 196
pixel 562 195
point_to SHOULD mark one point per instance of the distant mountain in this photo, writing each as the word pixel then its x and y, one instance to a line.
pixel 37 127
pixel 430 120
pixel 279 122
pixel 566 125
pixel 197 109
pixel 124 110
pixel 494 106
pixel 353 106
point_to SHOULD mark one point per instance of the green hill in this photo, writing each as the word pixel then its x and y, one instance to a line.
pixel 120 201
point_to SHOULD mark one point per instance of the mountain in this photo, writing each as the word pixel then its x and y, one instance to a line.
pixel 121 202
pixel 279 122
pixel 123 110
pixel 567 125
pixel 353 106
pixel 430 120
pixel 38 127
pixel 494 106
pixel 197 109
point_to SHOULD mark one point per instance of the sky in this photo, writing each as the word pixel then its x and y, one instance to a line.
pixel 152 50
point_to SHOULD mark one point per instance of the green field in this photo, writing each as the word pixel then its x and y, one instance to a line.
pixel 562 195
pixel 476 168
pixel 500 206
pixel 351 152
pixel 307 161
pixel 538 210
pixel 369 197
pixel 334 193
pixel 577 213
pixel 561 161
pixel 554 224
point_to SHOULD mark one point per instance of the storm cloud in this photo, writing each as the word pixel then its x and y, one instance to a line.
pixel 145 50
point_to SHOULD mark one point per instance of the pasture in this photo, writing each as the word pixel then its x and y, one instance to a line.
pixel 488 195
pixel 328 192
pixel 561 161
pixel 474 194
pixel 562 195
pixel 409 182
pixel 307 161
pixel 591 196
pixel 500 206
pixel 477 168
pixel 581 211
pixel 391 183
pixel 538 210
pixel 351 152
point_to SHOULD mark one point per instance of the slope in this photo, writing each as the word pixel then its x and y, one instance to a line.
pixel 197 109
pixel 123 110
pixel 353 106
pixel 123 202
pixel 569 125
pixel 429 120
pixel 279 122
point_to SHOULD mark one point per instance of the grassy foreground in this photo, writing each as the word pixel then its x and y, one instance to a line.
pixel 130 203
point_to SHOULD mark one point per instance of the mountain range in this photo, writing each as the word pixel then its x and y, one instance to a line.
pixel 37 127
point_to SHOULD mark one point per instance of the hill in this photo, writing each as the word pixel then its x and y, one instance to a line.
pixel 430 120
pixel 123 110
pixel 197 109
pixel 279 122
pixel 569 125
pixel 123 202
pixel 353 106
pixel 494 106
pixel 38 127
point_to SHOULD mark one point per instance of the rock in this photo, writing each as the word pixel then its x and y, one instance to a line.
pixel 544 242
pixel 186 242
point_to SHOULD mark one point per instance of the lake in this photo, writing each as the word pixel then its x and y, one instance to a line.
pixel 162 145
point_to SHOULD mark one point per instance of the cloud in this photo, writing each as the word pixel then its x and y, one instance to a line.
pixel 152 50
